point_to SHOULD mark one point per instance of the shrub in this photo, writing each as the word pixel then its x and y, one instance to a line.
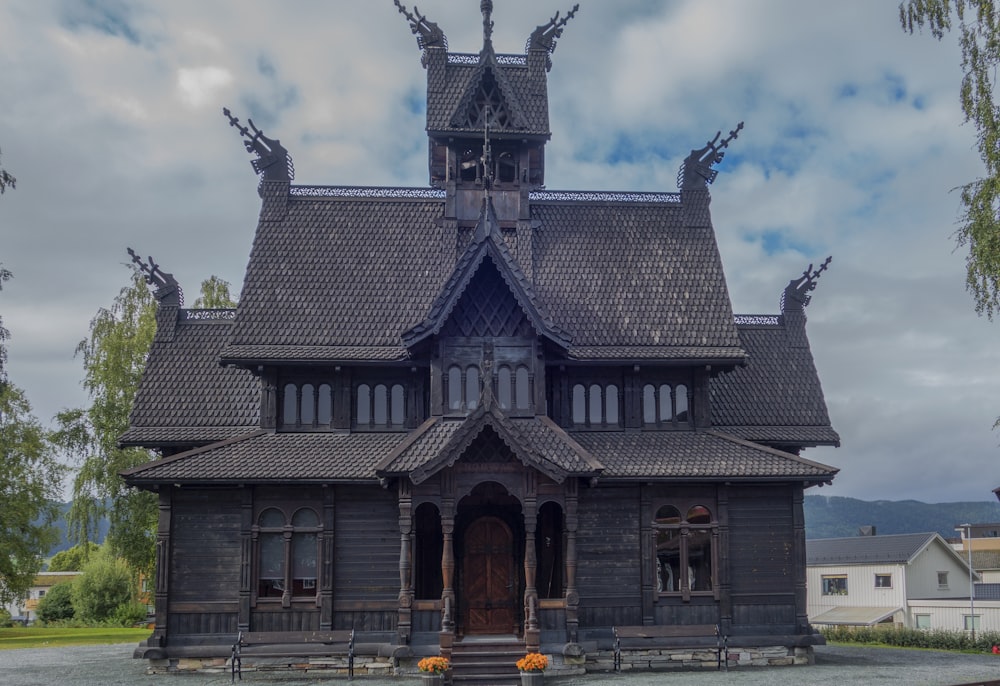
pixel 5 620
pixel 129 614
pixel 936 639
pixel 105 584
pixel 57 604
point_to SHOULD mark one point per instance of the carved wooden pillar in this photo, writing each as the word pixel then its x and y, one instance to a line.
pixel 532 634
pixel 246 559
pixel 572 596
pixel 725 579
pixel 326 578
pixel 268 397
pixel 799 543
pixel 447 634
pixel 161 588
pixel 647 555
pixel 405 560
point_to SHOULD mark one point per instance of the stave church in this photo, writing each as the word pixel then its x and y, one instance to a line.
pixel 480 418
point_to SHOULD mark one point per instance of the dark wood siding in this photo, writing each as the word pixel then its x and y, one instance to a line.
pixel 609 557
pixel 366 554
pixel 205 561
pixel 762 559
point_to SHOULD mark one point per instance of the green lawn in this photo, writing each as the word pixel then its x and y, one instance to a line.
pixel 32 637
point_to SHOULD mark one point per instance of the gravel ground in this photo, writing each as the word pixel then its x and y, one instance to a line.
pixel 112 665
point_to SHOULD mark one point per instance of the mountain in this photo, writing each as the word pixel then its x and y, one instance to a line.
pixel 835 517
pixel 62 524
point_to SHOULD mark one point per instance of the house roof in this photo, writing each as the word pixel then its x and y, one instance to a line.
pixel 696 455
pixel 776 398
pixel 344 276
pixel 888 549
pixel 855 616
pixel 185 396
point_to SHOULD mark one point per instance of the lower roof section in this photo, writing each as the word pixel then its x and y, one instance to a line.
pixel 330 457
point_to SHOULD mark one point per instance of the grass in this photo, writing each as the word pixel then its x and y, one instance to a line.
pixel 43 637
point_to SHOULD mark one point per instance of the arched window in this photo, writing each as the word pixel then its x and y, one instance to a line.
pixel 579 404
pixel 681 403
pixel 523 387
pixel 549 551
pixel 325 405
pixel 287 554
pixel 665 406
pixel 454 388
pixel 685 550
pixel 472 387
pixel 289 406
pixel 397 413
pixel 504 388
pixel 381 405
pixel 364 411
pixel 307 413
pixel 594 405
pixel 648 404
pixel 611 404
pixel 666 412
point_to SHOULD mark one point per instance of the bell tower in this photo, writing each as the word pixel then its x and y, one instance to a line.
pixel 487 116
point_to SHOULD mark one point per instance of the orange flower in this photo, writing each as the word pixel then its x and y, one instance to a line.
pixel 434 665
pixel 533 662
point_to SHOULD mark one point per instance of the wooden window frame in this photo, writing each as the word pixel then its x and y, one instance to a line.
pixel 683 530
pixel 288 532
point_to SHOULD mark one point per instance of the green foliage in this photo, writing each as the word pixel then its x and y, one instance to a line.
pixel 72 559
pixel 5 619
pixel 57 604
pixel 4 333
pixel 114 357
pixel 28 490
pixel 979 37
pixel 6 179
pixel 934 639
pixel 214 295
pixel 129 614
pixel 107 582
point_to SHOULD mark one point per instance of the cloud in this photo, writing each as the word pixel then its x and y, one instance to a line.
pixel 198 86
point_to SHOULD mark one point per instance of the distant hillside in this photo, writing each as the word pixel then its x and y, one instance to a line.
pixel 834 517
pixel 62 524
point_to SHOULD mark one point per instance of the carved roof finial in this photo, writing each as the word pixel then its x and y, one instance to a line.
pixel 544 37
pixel 796 295
pixel 168 291
pixel 486 6
pixel 696 171
pixel 429 34
pixel 273 162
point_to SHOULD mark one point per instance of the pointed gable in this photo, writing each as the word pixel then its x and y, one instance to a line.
pixel 486 294
pixel 489 100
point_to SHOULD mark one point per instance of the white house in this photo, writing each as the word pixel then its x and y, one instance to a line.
pixel 25 609
pixel 912 580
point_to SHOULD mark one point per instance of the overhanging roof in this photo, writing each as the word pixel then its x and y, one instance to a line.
pixel 855 616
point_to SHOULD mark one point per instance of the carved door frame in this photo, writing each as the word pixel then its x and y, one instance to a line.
pixel 490 584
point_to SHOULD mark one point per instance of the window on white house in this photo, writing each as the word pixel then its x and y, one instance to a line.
pixel 834 584
pixel 883 581
pixel 971 622
pixel 942 578
pixel 923 621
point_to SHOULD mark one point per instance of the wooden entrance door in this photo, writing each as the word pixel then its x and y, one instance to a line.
pixel 488 577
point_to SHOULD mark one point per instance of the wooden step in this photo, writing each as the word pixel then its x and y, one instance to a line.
pixel 486 661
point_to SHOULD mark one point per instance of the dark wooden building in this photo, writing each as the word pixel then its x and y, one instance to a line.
pixel 481 408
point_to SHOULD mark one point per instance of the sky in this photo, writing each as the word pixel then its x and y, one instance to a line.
pixel 111 120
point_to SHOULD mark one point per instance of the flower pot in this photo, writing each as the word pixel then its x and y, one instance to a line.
pixel 432 680
pixel 532 678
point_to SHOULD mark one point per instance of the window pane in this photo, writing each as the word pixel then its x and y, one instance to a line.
pixel 381 407
pixel 699 515
pixel 883 581
pixel 325 415
pixel 834 585
pixel 303 563
pixel 594 404
pixel 454 388
pixel 364 404
pixel 971 622
pixel 288 406
pixel 666 404
pixel 398 410
pixel 308 405
pixel 523 389
pixel 305 517
pixel 681 401
pixel 923 621
pixel 611 404
pixel 669 515
pixel 504 395
pixel 271 561
pixel 579 405
pixel 700 560
pixel 648 404
pixel 668 560
pixel 271 518
pixel 472 387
